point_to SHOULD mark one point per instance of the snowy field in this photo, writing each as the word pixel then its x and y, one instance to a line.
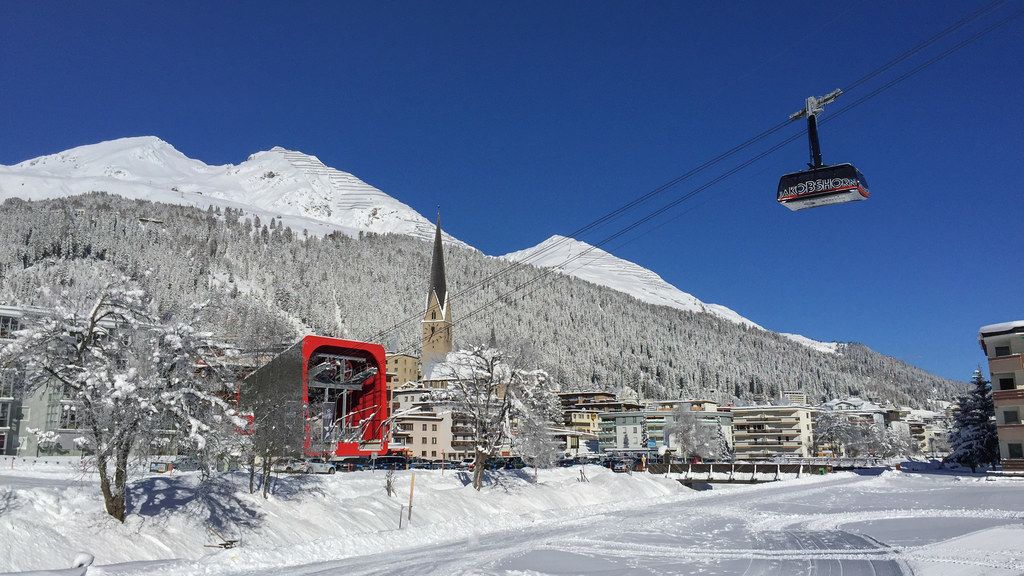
pixel 881 523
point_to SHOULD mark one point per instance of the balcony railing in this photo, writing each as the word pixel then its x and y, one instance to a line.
pixel 772 431
pixel 1008 396
pixel 1002 364
pixel 763 419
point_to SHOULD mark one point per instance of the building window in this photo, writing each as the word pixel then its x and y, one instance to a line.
pixel 1002 350
pixel 7 383
pixel 433 452
pixel 3 443
pixel 1015 450
pixel 8 326
pixel 424 439
pixel 423 453
pixel 1007 383
pixel 69 417
pixel 424 427
pixel 5 414
pixel 433 427
pixel 1011 417
pixel 433 440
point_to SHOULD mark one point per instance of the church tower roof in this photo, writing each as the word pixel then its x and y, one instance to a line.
pixel 437 278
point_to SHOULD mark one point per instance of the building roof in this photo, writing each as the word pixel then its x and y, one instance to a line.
pixel 852 403
pixel 1001 328
pixel 763 407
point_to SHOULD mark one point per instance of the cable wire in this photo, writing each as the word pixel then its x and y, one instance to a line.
pixel 707 164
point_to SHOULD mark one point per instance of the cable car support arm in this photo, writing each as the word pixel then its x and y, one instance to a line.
pixel 811 109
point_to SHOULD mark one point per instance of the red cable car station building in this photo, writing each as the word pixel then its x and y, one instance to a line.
pixel 320 397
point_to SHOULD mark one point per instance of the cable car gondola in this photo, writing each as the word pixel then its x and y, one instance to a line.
pixel 822 185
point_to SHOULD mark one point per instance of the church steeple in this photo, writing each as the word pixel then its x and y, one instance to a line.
pixel 437 321
pixel 437 279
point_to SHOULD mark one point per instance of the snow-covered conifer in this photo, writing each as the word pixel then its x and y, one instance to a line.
pixel 973 441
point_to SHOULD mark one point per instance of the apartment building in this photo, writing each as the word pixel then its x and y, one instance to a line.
pixel 706 412
pixel 768 432
pixel 795 396
pixel 858 411
pixel 401 369
pixel 423 430
pixel 623 432
pixel 1003 344
pixel 642 431
pixel 42 420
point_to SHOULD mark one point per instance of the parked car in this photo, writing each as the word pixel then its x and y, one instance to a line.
pixel 320 466
pixel 465 463
pixel 620 466
pixel 351 463
pixel 389 463
pixel 291 465
pixel 566 463
pixel 514 463
pixel 420 464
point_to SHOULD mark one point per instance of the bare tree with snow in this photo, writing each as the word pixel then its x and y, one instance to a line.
pixel 686 434
pixel 132 378
pixel 538 410
pixel 488 389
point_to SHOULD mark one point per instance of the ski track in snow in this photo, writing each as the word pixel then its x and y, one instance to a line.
pixel 733 530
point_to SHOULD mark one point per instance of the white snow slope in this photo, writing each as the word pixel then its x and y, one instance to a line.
pixel 929 524
pixel 295 187
pixel 586 262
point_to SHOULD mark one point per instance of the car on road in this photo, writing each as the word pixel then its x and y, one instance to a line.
pixel 291 465
pixel 420 464
pixel 620 466
pixel 389 463
pixel 351 463
pixel 320 466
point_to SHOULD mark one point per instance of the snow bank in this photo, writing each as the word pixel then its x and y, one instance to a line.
pixel 50 518
pixel 991 552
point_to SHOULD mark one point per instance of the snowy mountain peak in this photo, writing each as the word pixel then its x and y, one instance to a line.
pixel 120 158
pixel 293 186
pixel 586 262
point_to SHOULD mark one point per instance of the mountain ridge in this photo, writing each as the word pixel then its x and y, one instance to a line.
pixel 587 262
pixel 289 185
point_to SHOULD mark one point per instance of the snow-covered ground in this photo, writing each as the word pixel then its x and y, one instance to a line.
pixel 889 523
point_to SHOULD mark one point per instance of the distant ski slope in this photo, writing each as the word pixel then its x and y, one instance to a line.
pixel 602 268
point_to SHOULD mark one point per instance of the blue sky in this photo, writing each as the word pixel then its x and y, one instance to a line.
pixel 526 119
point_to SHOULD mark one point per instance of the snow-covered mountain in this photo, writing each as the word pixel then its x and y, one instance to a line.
pixel 294 187
pixel 305 194
pixel 586 262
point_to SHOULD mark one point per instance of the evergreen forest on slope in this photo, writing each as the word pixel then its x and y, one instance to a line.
pixel 268 283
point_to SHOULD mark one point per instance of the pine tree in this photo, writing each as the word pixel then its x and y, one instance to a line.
pixel 973 441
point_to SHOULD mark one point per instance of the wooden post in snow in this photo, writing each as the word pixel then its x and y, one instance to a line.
pixel 412 486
